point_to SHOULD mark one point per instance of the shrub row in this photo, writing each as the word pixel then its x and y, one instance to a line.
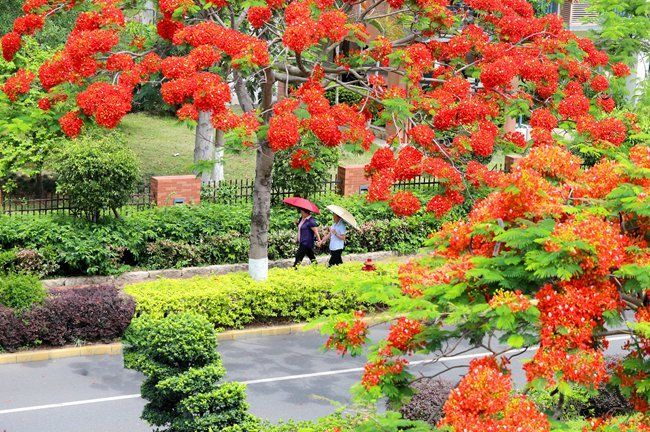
pixel 184 236
pixel 234 300
pixel 68 316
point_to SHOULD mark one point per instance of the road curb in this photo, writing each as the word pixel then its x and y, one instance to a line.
pixel 116 348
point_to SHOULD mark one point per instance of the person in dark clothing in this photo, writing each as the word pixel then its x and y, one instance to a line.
pixel 307 236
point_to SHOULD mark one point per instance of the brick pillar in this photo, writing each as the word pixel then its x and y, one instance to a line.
pixel 511 160
pixel 352 179
pixel 171 190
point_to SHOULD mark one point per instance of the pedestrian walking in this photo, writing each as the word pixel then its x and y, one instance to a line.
pixel 307 236
pixel 336 236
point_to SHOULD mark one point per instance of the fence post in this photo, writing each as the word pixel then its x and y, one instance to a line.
pixel 510 161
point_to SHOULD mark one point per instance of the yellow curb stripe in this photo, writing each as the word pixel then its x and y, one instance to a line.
pixel 116 348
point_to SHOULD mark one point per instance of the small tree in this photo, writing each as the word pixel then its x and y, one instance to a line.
pixel 303 171
pixel 178 355
pixel 97 175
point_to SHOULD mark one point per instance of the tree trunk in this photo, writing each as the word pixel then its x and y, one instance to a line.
pixel 258 258
pixel 258 262
pixel 205 150
pixel 218 171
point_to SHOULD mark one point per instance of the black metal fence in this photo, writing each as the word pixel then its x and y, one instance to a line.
pixel 56 203
pixel 241 191
pixel 225 192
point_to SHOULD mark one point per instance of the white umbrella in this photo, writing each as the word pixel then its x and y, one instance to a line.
pixel 345 215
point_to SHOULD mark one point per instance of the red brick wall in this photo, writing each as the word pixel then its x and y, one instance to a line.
pixel 352 178
pixel 165 189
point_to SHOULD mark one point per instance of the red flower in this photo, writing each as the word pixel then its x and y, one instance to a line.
pixel 120 62
pixel 543 118
pixel 382 159
pixel 404 203
pixel 187 112
pixel 283 132
pixel 402 335
pixel 301 159
pixel 606 103
pixel 107 103
pixel 380 186
pixel 28 24
pixel 439 205
pixel 71 124
pixel 18 84
pixel 408 164
pixel 423 135
pixel 45 104
pixel 167 28
pixel 620 69
pixel 599 83
pixel 10 45
pixel 259 15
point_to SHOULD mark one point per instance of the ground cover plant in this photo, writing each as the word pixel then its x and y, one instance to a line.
pixel 235 300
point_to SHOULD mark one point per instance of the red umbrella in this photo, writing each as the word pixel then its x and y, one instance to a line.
pixel 301 203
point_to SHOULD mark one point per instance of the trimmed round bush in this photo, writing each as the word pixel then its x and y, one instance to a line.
pixel 97 174
pixel 21 292
pixel 184 374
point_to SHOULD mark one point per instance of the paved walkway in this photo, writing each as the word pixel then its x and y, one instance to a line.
pixel 287 377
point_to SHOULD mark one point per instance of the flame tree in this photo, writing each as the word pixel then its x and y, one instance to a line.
pixel 446 74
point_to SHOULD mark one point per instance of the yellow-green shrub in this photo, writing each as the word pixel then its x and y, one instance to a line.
pixel 235 300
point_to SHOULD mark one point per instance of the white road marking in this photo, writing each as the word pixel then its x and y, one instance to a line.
pixel 276 379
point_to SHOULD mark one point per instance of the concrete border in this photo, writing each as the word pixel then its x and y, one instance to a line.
pixel 188 272
pixel 116 348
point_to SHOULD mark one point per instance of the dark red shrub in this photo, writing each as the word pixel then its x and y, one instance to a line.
pixel 13 332
pixel 71 315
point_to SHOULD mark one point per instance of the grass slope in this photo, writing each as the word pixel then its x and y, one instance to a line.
pixel 166 147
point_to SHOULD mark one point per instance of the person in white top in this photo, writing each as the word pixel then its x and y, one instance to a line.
pixel 336 236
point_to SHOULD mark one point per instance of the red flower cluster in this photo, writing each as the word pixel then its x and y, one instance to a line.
pixel 375 372
pixel 259 15
pixel 71 124
pixel 10 45
pixel 18 84
pixel 107 103
pixel 553 161
pixel 402 336
pixel 283 132
pixel 620 69
pixel 404 203
pixel 28 24
pixel 483 402
pixel 599 83
pixel 301 160
pixel 408 164
pixel 349 334
pixel 423 135
pixel 543 118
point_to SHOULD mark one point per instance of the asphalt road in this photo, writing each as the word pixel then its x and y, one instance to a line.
pixel 287 376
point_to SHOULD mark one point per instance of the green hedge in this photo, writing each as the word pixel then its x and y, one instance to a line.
pixel 184 236
pixel 235 300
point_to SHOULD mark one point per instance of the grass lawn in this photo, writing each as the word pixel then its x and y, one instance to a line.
pixel 166 147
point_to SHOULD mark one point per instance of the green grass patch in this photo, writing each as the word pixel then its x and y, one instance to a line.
pixel 165 146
